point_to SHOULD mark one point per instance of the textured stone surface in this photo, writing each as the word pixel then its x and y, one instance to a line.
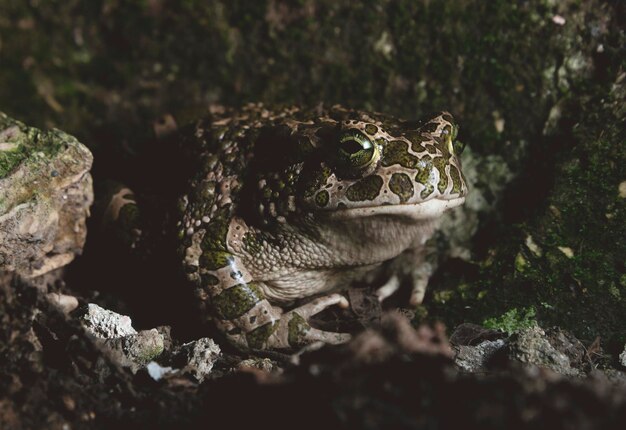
pixel 475 358
pixel 105 324
pixel 198 357
pixel 530 346
pixel 45 194
pixel 115 333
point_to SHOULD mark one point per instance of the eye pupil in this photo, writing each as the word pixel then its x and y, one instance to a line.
pixel 351 146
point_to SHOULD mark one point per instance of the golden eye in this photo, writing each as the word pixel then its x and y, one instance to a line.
pixel 454 146
pixel 356 150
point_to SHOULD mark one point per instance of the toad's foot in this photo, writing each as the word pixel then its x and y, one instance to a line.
pixel 388 289
pixel 418 279
pixel 294 330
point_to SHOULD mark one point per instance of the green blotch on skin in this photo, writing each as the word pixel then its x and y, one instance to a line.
pixel 422 177
pixel 371 129
pixel 400 184
pixel 416 139
pixel 213 259
pixel 236 301
pixel 253 243
pixel 258 337
pixel 204 197
pixel 317 182
pixel 298 327
pixel 209 280
pixel 216 232
pixel 367 188
pixel 431 127
pixel 447 117
pixel 440 164
pixel 427 191
pixel 513 320
pixel 456 179
pixel 321 199
pixel 396 152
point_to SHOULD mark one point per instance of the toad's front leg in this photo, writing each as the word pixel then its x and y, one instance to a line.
pixel 247 318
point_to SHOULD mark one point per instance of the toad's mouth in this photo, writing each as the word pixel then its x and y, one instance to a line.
pixel 424 210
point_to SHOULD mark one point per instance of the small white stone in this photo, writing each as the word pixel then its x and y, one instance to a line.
pixel 567 251
pixel 63 302
pixel 558 20
pixel 622 190
pixel 532 246
pixel 206 219
pixel 156 371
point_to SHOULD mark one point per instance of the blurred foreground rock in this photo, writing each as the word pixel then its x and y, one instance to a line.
pixel 390 376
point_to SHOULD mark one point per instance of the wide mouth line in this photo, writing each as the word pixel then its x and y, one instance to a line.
pixel 422 210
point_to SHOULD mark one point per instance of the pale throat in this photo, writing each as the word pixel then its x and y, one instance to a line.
pixel 374 239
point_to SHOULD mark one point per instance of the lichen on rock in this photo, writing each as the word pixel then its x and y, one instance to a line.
pixel 45 194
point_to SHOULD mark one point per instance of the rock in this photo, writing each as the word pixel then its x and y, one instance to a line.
pixel 567 344
pixel 474 334
pixel 157 372
pixel 475 358
pixel 45 194
pixel 116 334
pixel 622 357
pixel 264 364
pixel 139 348
pixel 106 324
pixel 63 302
pixel 530 346
pixel 198 357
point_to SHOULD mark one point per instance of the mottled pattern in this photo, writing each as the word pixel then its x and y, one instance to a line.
pixel 254 230
pixel 402 186
pixel 367 188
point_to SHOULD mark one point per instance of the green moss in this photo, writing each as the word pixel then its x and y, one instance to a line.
pixel 22 144
pixel 577 279
pixel 513 320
